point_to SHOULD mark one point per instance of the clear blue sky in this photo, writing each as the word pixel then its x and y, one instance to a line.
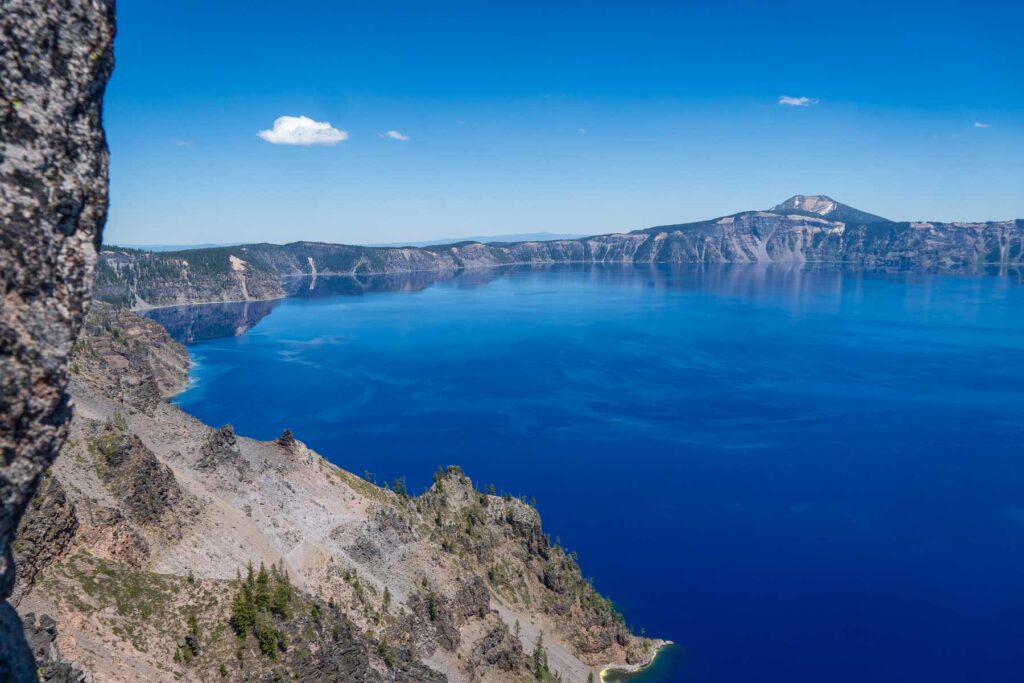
pixel 583 117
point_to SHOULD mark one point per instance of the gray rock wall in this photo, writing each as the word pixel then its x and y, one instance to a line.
pixel 55 59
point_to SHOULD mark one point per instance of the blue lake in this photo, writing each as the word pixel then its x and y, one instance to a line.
pixel 796 475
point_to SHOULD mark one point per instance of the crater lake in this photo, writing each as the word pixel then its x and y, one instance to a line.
pixel 794 474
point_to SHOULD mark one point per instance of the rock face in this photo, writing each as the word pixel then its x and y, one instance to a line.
pixel 219 274
pixel 146 486
pixel 500 650
pixel 133 364
pixel 41 634
pixel 55 59
pixel 44 534
pixel 221 448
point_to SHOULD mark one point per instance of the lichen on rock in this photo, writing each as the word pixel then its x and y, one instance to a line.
pixel 55 59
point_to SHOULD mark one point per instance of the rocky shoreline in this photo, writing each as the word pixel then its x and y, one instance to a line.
pixel 635 668
pixel 452 584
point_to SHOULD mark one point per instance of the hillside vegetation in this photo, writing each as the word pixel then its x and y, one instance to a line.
pixel 159 548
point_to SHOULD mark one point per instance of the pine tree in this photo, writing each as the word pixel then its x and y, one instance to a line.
pixel 540 658
pixel 262 592
pixel 432 606
pixel 266 635
pixel 400 487
pixel 243 612
pixel 281 598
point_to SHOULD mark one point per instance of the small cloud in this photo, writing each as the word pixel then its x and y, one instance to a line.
pixel 395 135
pixel 582 131
pixel 788 101
pixel 302 130
pixel 979 124
pixel 182 143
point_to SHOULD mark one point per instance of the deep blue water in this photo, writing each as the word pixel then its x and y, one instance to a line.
pixel 797 476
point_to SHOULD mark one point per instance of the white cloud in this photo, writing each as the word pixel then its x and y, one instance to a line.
pixel 395 135
pixel 788 101
pixel 979 124
pixel 583 131
pixel 182 143
pixel 302 130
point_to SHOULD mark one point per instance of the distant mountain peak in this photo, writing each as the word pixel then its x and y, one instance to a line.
pixel 815 203
pixel 826 207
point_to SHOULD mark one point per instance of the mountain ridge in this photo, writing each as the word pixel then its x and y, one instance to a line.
pixel 802 229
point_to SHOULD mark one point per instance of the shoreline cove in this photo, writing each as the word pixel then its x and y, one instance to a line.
pixel 629 671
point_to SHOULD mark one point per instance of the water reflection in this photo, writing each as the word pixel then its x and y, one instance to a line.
pixel 189 324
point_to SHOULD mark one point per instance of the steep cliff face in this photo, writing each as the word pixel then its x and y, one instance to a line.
pixel 141 279
pixel 811 229
pixel 137 549
pixel 798 236
pixel 55 59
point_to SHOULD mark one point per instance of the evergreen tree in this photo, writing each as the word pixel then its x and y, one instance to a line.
pixel 262 591
pixel 540 659
pixel 400 487
pixel 281 598
pixel 432 606
pixel 243 612
pixel 266 635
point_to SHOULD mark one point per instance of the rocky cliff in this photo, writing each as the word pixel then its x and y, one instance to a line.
pixel 803 229
pixel 55 59
pixel 136 553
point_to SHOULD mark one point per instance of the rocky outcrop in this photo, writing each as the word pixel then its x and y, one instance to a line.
pixel 51 667
pixel 432 622
pixel 108 534
pixel 344 654
pixel 55 59
pixel 44 534
pixel 498 649
pixel 220 448
pixel 287 442
pixel 146 488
